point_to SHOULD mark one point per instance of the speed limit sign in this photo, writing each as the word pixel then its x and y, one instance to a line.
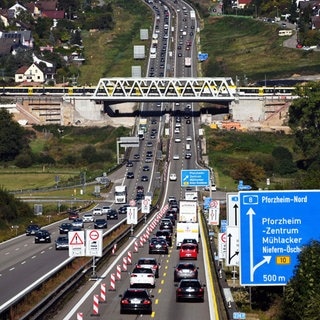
pixel 145 208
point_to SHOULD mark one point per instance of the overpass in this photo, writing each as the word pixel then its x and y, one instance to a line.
pixel 165 89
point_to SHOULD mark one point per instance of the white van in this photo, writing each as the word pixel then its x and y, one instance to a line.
pixel 188 147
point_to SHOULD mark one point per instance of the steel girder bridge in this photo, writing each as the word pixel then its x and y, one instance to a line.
pixel 165 89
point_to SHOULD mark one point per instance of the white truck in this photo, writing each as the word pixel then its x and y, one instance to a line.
pixel 188 211
pixel 191 195
pixel 187 230
pixel 120 194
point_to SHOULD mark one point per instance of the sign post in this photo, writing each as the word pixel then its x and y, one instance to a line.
pixel 132 217
pixel 76 243
pixel 274 227
pixel 195 178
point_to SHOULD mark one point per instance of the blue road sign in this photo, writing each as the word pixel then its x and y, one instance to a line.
pixel 274 227
pixel 206 202
pixel 223 226
pixel 195 178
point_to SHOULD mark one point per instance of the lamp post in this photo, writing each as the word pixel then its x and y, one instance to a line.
pixel 277 12
pixel 255 11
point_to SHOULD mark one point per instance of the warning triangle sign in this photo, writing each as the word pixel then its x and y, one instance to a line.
pixel 76 239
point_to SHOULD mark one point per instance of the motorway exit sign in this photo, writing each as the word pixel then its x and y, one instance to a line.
pixel 195 178
pixel 274 227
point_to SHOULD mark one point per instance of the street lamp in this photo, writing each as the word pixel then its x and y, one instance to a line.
pixel 277 12
pixel 255 11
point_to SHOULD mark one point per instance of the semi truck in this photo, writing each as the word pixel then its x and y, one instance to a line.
pixel 143 125
pixel 187 230
pixel 120 194
pixel 188 211
pixel 187 62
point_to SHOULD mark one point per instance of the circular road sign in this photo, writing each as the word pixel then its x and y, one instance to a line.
pixel 213 204
pixel 145 202
pixel 132 203
pixel 224 237
pixel 94 235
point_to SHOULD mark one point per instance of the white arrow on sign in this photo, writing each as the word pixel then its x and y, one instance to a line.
pixel 266 259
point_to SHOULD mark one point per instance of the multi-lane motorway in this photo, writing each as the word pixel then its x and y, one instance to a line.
pixel 23 263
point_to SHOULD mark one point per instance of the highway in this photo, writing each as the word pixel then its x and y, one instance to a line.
pixel 24 263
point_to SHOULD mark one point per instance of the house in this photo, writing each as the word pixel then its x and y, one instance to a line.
pixel 240 4
pixel 13 12
pixel 23 37
pixel 32 73
pixel 4 18
pixel 35 73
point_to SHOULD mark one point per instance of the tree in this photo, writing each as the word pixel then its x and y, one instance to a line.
pixel 12 137
pixel 284 161
pixel 304 119
pixel 247 171
pixel 302 294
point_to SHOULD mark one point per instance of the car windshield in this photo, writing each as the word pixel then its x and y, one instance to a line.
pixel 147 261
pixel 188 247
pixel 136 294
pixel 142 270
pixel 194 284
pixel 186 266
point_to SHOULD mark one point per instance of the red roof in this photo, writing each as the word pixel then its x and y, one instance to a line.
pixel 58 14
pixel 245 2
pixel 22 70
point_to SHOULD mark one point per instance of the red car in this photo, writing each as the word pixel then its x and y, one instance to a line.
pixel 188 251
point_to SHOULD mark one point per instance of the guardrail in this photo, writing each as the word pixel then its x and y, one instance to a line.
pixel 49 303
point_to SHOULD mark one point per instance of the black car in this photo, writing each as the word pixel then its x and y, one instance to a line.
pixel 145 168
pixel 112 214
pixel 65 228
pixel 185 271
pixel 144 178
pixel 158 245
pixel 165 234
pixel 166 224
pixel 130 175
pixel 171 217
pixel 62 243
pixel 140 189
pixel 123 209
pixel 129 164
pixel 42 236
pixel 171 214
pixel 136 301
pixel 139 196
pixel 190 289
pixel 100 224
pixel 32 229
pixel 136 156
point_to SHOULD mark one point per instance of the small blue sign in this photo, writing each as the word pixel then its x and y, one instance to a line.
pixel 239 315
pixel 274 227
pixel 223 226
pixel 206 203
pixel 195 178
pixel 203 56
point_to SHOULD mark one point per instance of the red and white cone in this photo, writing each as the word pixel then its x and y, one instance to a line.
pixel 79 316
pixel 103 292
pixel 118 272
pixel 136 247
pixel 95 305
pixel 124 264
pixel 129 261
pixel 114 249
pixel 112 282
